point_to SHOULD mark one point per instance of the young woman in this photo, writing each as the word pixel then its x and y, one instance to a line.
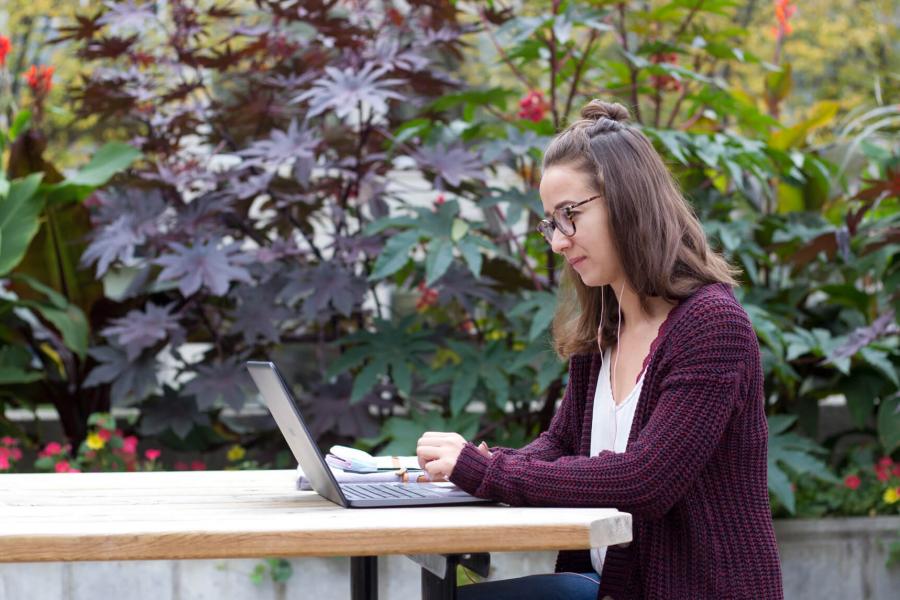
pixel 665 419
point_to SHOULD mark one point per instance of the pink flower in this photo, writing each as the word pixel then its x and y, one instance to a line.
pixel 882 475
pixel 62 466
pixel 152 454
pixel 52 449
pixel 852 481
pixel 129 445
pixel 4 452
pixel 104 435
pixel 885 462
pixel 198 465
pixel 9 441
pixel 4 463
pixel 16 454
pixel 73 470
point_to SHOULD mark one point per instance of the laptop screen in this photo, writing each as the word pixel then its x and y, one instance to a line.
pixel 286 412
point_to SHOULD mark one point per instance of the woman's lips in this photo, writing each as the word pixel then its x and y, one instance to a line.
pixel 576 261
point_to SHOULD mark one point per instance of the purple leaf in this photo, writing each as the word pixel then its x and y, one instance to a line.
pixel 323 287
pixel 328 405
pixel 132 381
pixel 138 330
pixel 282 146
pixel 204 264
pixel 127 17
pixel 450 164
pixel 171 411
pixel 114 242
pixel 256 316
pixel 343 90
pixel 225 382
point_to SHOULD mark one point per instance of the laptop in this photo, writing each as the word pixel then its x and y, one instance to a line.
pixel 281 403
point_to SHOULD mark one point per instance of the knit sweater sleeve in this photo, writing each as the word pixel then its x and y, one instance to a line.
pixel 696 399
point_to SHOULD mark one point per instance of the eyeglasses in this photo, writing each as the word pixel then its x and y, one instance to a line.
pixel 561 219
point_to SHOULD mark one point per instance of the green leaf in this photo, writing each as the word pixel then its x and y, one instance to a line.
pixel 461 392
pixel 20 124
pixel 459 229
pixel 880 361
pixel 71 324
pixel 10 375
pixel 889 424
pixel 780 486
pixel 394 254
pixel 822 114
pixel 780 423
pixel 471 255
pixel 109 160
pixel 861 390
pixel 19 220
pixel 402 376
pixel 57 299
pixel 366 379
pixel 437 259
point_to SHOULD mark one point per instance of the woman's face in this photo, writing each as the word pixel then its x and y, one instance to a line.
pixel 590 250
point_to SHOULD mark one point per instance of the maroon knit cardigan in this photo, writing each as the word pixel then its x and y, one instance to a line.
pixel 693 475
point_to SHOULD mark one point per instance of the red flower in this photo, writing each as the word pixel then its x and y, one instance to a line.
pixel 852 481
pixel 4 49
pixel 40 79
pixel 439 200
pixel 198 465
pixel 62 466
pixel 783 12
pixel 52 449
pixel 882 474
pixel 104 435
pixel 665 82
pixel 428 297
pixel 533 106
pixel 181 466
pixel 4 463
pixel 885 462
pixel 152 454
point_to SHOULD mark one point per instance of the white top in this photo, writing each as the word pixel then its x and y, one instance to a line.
pixel 610 427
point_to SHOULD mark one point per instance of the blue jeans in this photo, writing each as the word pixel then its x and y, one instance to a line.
pixel 550 586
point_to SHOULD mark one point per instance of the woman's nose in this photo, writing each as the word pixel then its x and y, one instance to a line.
pixel 559 241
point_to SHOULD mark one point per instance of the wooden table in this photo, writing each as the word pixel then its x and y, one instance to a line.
pixel 239 514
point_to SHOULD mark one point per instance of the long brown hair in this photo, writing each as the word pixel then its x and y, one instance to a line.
pixel 659 240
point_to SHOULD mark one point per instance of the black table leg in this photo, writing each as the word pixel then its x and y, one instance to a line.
pixel 364 578
pixel 441 588
pixel 439 572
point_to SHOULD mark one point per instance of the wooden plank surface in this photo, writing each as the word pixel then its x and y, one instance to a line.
pixel 222 514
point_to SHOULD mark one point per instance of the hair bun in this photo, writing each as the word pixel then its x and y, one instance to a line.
pixel 597 109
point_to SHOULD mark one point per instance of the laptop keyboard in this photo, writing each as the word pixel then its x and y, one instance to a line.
pixel 360 491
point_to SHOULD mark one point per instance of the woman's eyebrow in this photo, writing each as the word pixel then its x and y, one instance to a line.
pixel 558 205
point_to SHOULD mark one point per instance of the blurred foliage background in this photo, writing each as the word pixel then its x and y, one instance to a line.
pixel 350 188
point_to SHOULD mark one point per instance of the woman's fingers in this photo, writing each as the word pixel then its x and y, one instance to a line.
pixel 437 470
pixel 483 448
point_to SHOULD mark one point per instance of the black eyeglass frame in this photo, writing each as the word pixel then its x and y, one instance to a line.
pixel 551 223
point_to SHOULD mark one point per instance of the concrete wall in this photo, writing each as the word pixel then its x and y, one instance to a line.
pixel 828 558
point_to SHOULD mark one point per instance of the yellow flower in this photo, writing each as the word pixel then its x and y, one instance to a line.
pixel 236 453
pixel 95 442
pixel 890 495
